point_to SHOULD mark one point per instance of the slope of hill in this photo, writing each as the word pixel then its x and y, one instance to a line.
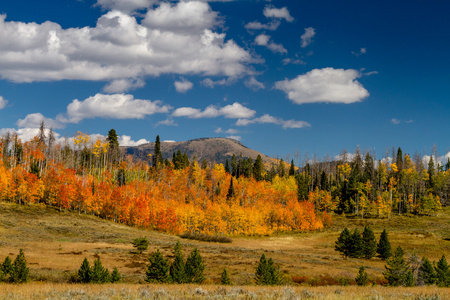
pixel 215 150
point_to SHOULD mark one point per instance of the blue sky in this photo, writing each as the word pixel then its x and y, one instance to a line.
pixel 283 77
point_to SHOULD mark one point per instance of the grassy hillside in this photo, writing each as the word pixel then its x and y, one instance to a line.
pixel 55 243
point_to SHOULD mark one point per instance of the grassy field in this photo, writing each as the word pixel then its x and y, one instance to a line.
pixel 55 243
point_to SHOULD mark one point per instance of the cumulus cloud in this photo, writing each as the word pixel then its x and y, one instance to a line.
pixel 208 82
pixel 268 119
pixel 123 85
pixel 125 6
pixel 229 131
pixel 235 137
pixel 167 122
pixel 122 46
pixel 272 26
pixel 184 17
pixel 117 106
pixel 27 134
pixel 307 36
pixel 324 85
pixel 233 111
pixel 183 85
pixel 278 13
pixel 254 84
pixel 3 102
pixel 35 120
pixel 125 140
pixel 265 40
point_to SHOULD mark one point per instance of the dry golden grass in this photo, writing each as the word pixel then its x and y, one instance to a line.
pixel 55 244
pixel 134 291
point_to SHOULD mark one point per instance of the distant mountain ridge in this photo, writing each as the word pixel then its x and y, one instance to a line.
pixel 215 150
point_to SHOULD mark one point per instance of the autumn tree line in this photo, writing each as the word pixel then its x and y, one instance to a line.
pixel 95 177
pixel 241 197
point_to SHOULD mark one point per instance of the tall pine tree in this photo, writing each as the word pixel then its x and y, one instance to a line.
pixel 426 274
pixel 396 268
pixel 369 245
pixel 177 271
pixel 343 243
pixel 194 268
pixel 384 246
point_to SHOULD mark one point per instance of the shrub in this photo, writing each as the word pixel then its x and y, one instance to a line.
pixel 362 278
pixel 194 268
pixel 300 279
pixel 224 278
pixel 157 271
pixel 206 237
pixel 141 244
pixel 19 272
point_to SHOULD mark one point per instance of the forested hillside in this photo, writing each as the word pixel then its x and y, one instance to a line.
pixel 242 197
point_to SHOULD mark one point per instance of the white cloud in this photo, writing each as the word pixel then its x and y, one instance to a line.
pixel 278 13
pixel 122 46
pixel 254 84
pixel 27 134
pixel 258 26
pixel 324 85
pixel 183 85
pixel 268 119
pixel 208 82
pixel 117 106
pixel 264 40
pixel 233 111
pixel 307 36
pixel 126 140
pixel 184 17
pixel 3 102
pixel 361 52
pixel 125 5
pixel 229 131
pixel 395 121
pixel 123 85
pixel 35 120
pixel 167 122
pixel 235 137
pixel 296 61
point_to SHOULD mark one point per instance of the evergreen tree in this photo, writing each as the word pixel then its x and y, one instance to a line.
pixel 227 166
pixel 194 268
pixel 409 279
pixel 7 266
pixel 115 276
pixel 157 155
pixel 262 273
pixel 258 168
pixel 369 245
pixel 113 141
pixel 442 272
pixel 275 276
pixel 343 243
pixel 356 244
pixel 157 271
pixel 431 172
pixel 120 177
pixel 292 168
pixel 230 193
pixel 99 274
pixel 396 268
pixel 141 244
pixel 85 272
pixel 384 246
pixel 426 274
pixel 20 271
pixel 224 279
pixel 177 271
pixel 362 278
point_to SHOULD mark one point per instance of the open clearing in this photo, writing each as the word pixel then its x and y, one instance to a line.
pixel 55 243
